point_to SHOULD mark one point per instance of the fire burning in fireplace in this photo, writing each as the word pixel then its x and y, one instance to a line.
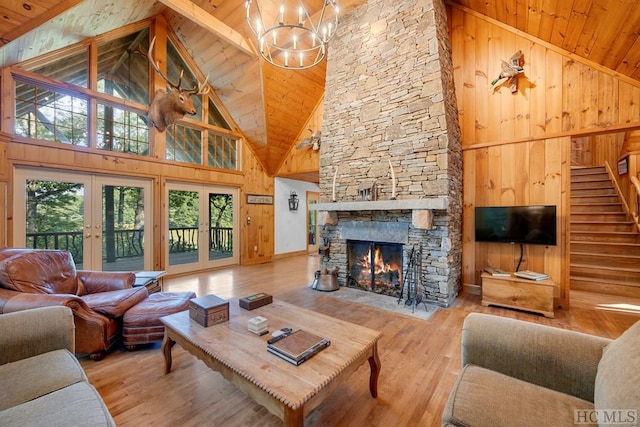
pixel 377 263
pixel 375 266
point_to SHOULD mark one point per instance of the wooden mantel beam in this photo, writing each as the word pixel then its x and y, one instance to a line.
pixel 201 17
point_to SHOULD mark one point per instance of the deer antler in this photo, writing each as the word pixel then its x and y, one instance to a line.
pixel 200 89
pixel 156 67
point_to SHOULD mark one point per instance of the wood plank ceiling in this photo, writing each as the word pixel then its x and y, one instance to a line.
pixel 270 105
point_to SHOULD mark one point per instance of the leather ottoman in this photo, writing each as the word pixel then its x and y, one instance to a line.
pixel 141 323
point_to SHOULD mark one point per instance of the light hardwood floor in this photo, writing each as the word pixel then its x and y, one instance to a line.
pixel 420 359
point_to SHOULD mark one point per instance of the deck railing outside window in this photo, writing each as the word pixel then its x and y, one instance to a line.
pixel 130 244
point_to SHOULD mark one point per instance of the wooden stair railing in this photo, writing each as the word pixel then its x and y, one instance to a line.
pixel 621 195
pixel 636 197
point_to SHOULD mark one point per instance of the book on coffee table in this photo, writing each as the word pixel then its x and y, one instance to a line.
pixel 298 346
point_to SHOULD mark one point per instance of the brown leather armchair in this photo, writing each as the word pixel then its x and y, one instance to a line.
pixel 32 278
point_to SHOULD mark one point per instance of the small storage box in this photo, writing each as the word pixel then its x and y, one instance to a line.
pixel 255 301
pixel 209 310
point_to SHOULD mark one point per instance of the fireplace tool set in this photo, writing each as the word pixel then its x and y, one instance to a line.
pixel 412 280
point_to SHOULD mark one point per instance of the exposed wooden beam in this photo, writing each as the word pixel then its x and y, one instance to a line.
pixel 201 17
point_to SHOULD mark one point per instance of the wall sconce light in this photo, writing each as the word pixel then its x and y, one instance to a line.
pixel 293 201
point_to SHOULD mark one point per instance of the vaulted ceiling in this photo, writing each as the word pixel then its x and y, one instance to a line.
pixel 271 106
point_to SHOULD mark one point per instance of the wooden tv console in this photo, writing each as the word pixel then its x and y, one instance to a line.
pixel 522 294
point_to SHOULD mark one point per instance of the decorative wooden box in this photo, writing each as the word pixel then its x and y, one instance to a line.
pixel 255 301
pixel 209 310
pixel 521 294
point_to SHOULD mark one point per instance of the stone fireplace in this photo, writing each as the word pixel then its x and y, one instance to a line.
pixel 390 124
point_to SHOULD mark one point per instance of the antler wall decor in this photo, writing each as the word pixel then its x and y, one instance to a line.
pixel 312 141
pixel 333 191
pixel 167 107
pixel 393 182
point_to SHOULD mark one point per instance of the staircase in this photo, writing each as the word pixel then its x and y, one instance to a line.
pixel 605 245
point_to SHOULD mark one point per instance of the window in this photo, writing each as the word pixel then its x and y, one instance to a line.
pixel 63 105
pixel 122 131
pixel 51 116
pixel 215 117
pixel 184 144
pixel 122 71
pixel 221 152
pixel 71 69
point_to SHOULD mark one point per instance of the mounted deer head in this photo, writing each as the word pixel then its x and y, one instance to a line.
pixel 167 107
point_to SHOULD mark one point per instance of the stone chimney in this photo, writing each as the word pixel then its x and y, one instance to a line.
pixel 390 98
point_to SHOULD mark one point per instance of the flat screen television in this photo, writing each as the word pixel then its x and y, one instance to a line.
pixel 534 225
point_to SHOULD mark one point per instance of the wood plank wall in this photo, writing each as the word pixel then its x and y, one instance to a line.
pixel 517 147
pixel 524 173
pixel 594 150
pixel 306 160
pixel 258 235
pixel 558 94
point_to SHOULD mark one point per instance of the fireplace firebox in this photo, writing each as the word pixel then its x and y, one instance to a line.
pixel 375 266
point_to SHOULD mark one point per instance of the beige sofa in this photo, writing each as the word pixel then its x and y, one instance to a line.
pixel 42 382
pixel 517 373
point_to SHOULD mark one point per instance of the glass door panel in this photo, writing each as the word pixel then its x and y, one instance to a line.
pixel 184 217
pixel 221 229
pixel 54 216
pixel 123 230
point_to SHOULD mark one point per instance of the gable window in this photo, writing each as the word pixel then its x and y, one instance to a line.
pixel 215 117
pixel 50 115
pixel 221 152
pixel 184 144
pixel 73 69
pixel 123 70
pixel 57 99
pixel 122 130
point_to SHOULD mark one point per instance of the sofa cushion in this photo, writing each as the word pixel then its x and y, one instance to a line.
pixel 115 303
pixel 39 271
pixel 76 405
pixel 30 378
pixel 482 397
pixel 618 377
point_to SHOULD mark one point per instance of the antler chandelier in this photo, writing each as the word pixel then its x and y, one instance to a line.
pixel 293 36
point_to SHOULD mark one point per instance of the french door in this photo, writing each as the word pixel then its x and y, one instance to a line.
pixel 201 227
pixel 104 221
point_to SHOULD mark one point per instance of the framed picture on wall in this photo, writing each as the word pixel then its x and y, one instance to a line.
pixel 623 166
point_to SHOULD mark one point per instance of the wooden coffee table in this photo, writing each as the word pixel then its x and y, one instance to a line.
pixel 288 391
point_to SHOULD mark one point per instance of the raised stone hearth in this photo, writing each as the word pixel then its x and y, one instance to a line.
pixel 390 106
